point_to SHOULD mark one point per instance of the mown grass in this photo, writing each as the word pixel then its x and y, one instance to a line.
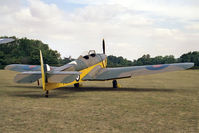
pixel 155 103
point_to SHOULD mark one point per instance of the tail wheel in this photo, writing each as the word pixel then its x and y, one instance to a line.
pixel 46 95
pixel 115 84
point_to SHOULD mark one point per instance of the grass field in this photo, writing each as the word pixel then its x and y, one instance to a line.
pixel 161 103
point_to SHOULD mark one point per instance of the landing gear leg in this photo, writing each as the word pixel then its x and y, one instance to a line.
pixel 115 84
pixel 76 85
pixel 46 95
pixel 38 82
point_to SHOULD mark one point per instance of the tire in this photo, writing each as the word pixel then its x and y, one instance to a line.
pixel 76 85
pixel 114 83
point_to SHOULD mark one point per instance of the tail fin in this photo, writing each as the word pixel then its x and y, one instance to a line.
pixel 42 72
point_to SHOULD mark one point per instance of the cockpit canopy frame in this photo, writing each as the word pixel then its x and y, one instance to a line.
pixel 86 55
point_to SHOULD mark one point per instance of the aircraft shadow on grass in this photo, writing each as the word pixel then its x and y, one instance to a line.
pixel 62 92
pixel 82 89
pixel 27 87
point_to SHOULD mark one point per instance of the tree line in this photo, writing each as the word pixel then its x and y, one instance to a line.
pixel 148 60
pixel 26 51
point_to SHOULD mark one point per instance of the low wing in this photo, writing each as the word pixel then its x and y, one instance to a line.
pixel 126 72
pixel 52 77
pixel 23 68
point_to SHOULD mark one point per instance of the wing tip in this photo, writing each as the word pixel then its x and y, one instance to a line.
pixel 188 65
pixel 8 67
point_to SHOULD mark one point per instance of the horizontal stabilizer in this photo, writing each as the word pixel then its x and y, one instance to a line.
pixel 28 77
pixel 63 77
pixel 52 77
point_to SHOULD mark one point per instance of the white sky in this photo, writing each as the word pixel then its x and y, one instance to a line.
pixel 131 28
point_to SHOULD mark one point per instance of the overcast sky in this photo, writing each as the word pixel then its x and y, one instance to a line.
pixel 131 28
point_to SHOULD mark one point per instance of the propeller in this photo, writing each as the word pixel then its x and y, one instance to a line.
pixel 103 46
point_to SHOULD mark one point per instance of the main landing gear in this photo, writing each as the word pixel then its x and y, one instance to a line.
pixel 37 82
pixel 115 85
pixel 76 85
pixel 46 95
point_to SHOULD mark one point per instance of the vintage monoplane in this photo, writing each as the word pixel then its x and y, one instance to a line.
pixel 88 67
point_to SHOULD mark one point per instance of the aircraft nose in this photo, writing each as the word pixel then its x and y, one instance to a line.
pixel 103 56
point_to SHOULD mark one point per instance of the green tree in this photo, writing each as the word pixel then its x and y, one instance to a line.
pixel 26 51
pixel 190 57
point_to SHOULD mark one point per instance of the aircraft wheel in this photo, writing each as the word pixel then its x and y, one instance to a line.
pixel 114 84
pixel 76 85
pixel 37 82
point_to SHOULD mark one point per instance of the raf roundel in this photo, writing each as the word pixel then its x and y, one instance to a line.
pixel 78 78
pixel 31 66
pixel 157 67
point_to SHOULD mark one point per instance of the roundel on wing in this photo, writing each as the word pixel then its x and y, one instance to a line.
pixel 32 66
pixel 157 67
pixel 29 67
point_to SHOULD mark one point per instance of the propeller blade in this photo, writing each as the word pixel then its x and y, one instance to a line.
pixel 103 46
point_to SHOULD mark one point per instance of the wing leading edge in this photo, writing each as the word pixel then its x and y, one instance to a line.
pixel 127 72
pixel 25 68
